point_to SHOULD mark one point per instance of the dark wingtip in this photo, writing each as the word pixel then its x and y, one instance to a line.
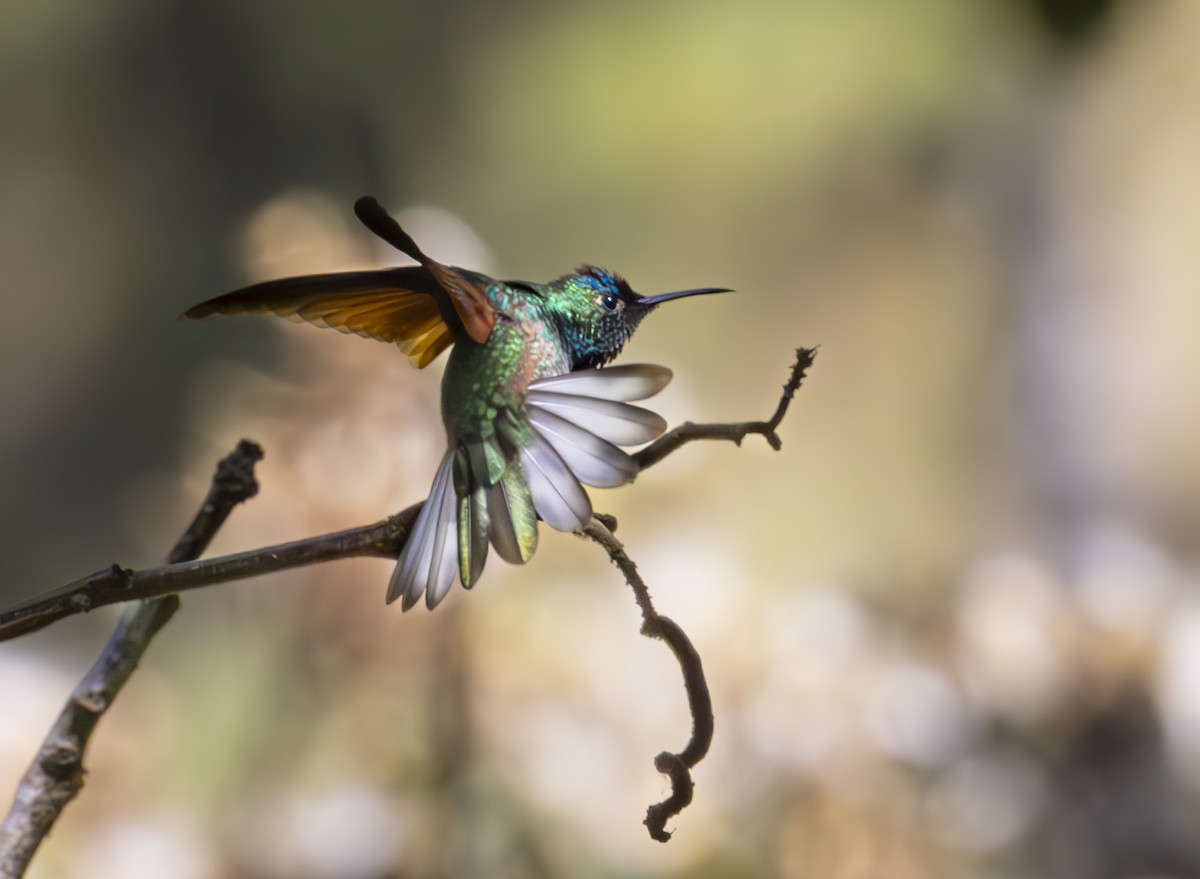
pixel 196 312
pixel 366 206
pixel 372 215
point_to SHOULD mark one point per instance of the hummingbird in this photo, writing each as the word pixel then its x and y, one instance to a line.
pixel 531 409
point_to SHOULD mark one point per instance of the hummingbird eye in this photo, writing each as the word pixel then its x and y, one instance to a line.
pixel 610 301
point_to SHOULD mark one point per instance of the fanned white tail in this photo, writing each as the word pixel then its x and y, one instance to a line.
pixel 579 419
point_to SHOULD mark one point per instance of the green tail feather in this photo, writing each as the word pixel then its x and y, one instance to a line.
pixel 513 520
pixel 493 503
pixel 472 535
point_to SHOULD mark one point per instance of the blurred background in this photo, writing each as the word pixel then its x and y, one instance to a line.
pixel 952 629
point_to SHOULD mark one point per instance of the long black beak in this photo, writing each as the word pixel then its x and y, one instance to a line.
pixel 679 294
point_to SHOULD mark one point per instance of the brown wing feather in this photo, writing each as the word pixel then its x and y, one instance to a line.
pixel 475 310
pixel 468 290
pixel 405 306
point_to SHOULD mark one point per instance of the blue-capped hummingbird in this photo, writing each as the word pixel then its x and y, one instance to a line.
pixel 529 411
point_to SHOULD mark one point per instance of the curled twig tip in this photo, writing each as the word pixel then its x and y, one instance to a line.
pixel 682 791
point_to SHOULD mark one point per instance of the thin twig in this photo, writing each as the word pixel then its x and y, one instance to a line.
pixel 735 433
pixel 56 775
pixel 676 766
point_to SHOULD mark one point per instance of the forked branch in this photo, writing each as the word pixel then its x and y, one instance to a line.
pixel 56 775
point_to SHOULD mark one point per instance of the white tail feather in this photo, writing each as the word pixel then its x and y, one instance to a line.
pixel 444 564
pixel 557 495
pixel 622 424
pixel 422 566
pixel 632 381
pixel 592 460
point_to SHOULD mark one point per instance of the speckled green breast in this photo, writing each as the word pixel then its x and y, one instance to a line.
pixel 483 380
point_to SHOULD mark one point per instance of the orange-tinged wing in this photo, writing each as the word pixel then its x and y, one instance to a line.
pixel 467 290
pixel 405 306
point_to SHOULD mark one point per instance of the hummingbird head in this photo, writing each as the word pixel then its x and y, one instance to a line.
pixel 597 311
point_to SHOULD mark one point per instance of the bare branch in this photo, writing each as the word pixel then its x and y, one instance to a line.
pixel 677 766
pixel 689 432
pixel 56 775
pixel 383 539
pixel 113 585
pixel 654 625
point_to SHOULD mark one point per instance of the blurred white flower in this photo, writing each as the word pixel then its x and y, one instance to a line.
pixel 1125 580
pixel 1011 620
pixel 914 712
pixel 147 847
pixel 353 831
pixel 983 803
pixel 1179 689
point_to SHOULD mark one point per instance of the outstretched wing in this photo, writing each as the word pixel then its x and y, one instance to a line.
pixel 406 306
pixel 467 290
